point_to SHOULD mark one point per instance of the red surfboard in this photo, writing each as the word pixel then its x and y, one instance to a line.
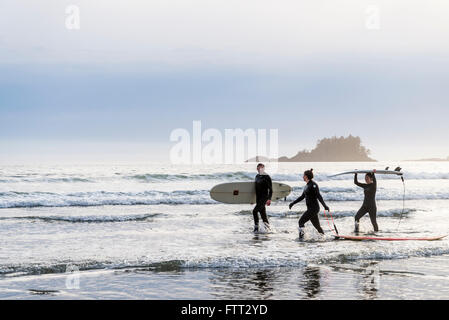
pixel 360 238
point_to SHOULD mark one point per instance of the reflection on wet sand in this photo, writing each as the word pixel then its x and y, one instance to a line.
pixel 266 283
pixel 367 279
pixel 370 280
pixel 245 284
pixel 348 280
pixel 311 282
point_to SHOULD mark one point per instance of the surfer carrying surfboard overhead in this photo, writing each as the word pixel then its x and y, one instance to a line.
pixel 264 192
pixel 369 202
pixel 312 195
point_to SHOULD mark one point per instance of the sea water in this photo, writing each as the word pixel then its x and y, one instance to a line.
pixel 151 231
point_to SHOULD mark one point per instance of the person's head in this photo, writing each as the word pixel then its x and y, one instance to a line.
pixel 261 168
pixel 308 175
pixel 369 178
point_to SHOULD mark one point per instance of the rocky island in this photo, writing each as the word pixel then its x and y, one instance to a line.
pixel 335 149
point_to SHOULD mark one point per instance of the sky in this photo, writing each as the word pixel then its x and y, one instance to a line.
pixel 136 70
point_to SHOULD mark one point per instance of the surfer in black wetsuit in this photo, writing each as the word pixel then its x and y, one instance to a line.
pixel 312 195
pixel 369 203
pixel 264 191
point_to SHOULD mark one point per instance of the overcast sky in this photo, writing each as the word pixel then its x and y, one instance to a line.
pixel 136 70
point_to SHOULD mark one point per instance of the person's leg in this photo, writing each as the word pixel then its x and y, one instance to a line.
pixel 263 213
pixel 316 222
pixel 304 218
pixel 362 211
pixel 302 221
pixel 373 217
pixel 256 215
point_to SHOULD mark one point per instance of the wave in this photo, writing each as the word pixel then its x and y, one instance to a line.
pixel 324 190
pixel 16 199
pixel 407 176
pixel 381 213
pixel 225 262
pixel 86 219
pixel 279 262
pixel 237 176
pixel 144 177
pixel 18 179
pixel 228 176
pixel 335 214
pixel 356 194
pixel 326 176
pixel 386 196
pixel 39 269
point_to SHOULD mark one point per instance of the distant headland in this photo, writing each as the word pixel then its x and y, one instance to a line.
pixel 335 149
pixel 432 159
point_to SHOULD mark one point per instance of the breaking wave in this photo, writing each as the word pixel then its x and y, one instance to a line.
pixel 15 199
pixel 86 219
pixel 237 176
pixel 224 262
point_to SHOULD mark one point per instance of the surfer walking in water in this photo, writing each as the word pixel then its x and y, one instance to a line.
pixel 264 192
pixel 312 195
pixel 369 203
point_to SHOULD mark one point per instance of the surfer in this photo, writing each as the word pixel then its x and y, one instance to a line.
pixel 369 203
pixel 264 191
pixel 312 195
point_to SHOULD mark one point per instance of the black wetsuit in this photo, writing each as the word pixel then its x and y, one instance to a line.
pixel 264 192
pixel 369 203
pixel 312 195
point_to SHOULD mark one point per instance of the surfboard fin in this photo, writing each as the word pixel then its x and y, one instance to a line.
pixel 398 169
pixel 387 168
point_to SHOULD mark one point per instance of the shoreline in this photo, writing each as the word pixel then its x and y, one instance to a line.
pixel 419 278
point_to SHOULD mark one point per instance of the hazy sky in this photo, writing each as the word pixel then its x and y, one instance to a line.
pixel 136 70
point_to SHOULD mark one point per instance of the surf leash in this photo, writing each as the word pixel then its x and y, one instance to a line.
pixel 335 230
pixel 403 202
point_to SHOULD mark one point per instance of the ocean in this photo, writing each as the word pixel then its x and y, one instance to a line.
pixel 151 231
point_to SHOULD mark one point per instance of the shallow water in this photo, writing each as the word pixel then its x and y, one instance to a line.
pixel 152 231
pixel 417 278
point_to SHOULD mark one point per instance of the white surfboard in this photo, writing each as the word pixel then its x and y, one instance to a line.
pixel 245 192
pixel 368 171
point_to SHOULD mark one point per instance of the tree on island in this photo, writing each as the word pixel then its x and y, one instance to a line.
pixel 332 150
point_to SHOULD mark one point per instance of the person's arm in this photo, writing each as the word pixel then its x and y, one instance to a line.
pixel 297 200
pixel 320 198
pixel 374 180
pixel 356 182
pixel 270 188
